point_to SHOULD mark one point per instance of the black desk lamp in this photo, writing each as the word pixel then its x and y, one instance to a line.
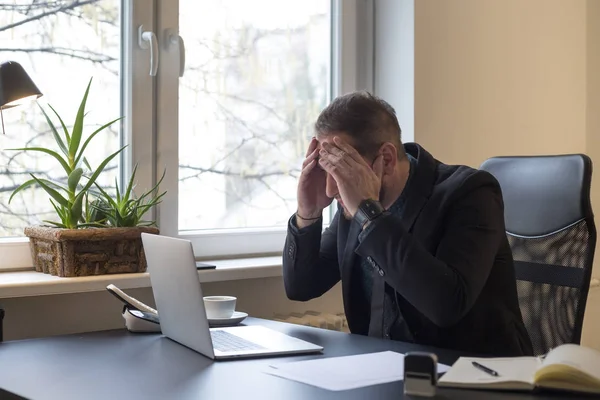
pixel 16 87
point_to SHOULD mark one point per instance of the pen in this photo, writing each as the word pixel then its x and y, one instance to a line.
pixel 484 368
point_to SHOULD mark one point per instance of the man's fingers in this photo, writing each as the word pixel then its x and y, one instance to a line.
pixel 333 149
pixel 310 157
pixel 351 151
pixel 330 167
pixel 326 165
pixel 312 146
pixel 336 156
pixel 309 167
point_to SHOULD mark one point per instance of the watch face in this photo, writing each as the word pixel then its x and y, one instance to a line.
pixel 371 208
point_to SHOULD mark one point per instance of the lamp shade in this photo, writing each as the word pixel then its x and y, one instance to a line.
pixel 15 85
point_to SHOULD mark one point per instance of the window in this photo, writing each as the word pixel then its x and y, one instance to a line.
pixel 39 35
pixel 228 114
pixel 253 85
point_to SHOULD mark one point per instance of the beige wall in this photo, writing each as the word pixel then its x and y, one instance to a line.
pixel 40 316
pixel 500 77
pixel 591 333
pixel 593 98
pixel 510 77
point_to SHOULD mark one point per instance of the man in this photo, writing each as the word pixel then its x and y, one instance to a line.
pixel 420 246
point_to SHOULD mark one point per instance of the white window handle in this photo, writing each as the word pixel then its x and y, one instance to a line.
pixel 147 39
pixel 173 39
pixel 181 56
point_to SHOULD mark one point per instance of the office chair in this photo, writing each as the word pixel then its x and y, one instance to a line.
pixel 551 231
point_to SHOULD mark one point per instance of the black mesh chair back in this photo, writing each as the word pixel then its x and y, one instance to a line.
pixel 551 230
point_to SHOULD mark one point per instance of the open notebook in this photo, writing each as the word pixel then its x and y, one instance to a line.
pixel 567 367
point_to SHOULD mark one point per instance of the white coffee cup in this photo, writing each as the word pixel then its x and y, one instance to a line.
pixel 219 306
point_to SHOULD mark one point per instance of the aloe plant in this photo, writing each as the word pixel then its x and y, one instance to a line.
pixel 68 201
pixel 125 209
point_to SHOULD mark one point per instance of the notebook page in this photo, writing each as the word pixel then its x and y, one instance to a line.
pixel 579 357
pixel 515 373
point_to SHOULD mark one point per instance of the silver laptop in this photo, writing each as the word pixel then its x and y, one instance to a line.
pixel 178 296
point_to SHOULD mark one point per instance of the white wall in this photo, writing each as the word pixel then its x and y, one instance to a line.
pixel 40 316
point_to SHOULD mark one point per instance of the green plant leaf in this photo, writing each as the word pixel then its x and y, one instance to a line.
pixel 53 193
pixel 61 214
pixel 57 137
pixel 32 182
pixel 74 178
pixel 155 187
pixel 107 197
pixel 62 123
pixel 55 224
pixel 117 191
pixel 130 184
pixel 93 178
pixel 92 136
pixel 78 125
pixel 92 225
pixel 54 154
pixel 76 209
pixel 56 208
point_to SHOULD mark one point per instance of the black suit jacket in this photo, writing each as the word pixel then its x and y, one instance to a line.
pixel 447 260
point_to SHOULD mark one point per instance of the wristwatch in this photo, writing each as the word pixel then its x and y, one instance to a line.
pixel 368 210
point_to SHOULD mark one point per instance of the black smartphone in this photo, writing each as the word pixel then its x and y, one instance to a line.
pixel 201 265
pixel 145 315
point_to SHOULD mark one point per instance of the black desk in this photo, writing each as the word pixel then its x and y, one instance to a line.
pixel 122 365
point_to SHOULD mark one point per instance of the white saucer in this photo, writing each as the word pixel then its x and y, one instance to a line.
pixel 235 319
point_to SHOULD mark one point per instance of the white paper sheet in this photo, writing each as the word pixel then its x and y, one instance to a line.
pixel 344 373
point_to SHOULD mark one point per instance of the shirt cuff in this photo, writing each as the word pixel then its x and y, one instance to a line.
pixel 365 232
pixel 298 231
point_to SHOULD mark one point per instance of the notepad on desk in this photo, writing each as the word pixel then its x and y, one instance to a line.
pixel 567 367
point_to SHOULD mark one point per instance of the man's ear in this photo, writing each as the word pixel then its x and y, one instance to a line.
pixel 390 157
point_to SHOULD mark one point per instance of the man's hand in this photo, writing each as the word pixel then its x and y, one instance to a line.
pixel 355 179
pixel 312 198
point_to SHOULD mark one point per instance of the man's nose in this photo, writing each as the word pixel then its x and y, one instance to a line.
pixel 331 189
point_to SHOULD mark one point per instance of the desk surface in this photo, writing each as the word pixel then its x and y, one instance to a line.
pixel 122 365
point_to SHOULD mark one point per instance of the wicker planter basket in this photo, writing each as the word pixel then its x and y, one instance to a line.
pixel 83 252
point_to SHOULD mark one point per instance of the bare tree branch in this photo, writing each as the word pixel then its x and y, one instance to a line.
pixel 85 55
pixel 47 13
pixel 240 174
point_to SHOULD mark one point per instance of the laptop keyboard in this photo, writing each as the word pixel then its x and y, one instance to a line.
pixel 225 341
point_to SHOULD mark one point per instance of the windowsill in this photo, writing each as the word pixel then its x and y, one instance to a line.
pixel 31 283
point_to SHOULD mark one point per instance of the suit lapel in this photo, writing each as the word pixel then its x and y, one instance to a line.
pixel 420 190
pixel 421 184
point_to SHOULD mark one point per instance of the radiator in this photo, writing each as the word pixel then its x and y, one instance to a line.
pixel 335 322
pixel 338 322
